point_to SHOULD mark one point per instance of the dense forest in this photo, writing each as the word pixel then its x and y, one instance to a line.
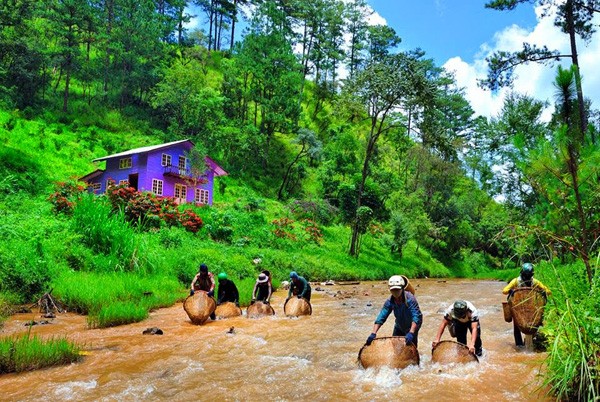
pixel 347 158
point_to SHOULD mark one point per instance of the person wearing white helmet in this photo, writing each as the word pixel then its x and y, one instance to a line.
pixel 406 311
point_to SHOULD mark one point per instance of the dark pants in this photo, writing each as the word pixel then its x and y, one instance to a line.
pixel 518 336
pixel 399 332
pixel 460 329
pixel 262 294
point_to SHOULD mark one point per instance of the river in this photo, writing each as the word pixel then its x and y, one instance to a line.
pixel 312 358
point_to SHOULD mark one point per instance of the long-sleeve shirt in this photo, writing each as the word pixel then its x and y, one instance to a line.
pixel 406 312
pixel 519 283
pixel 227 292
pixel 301 285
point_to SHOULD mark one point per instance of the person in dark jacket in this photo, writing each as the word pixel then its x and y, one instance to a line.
pixel 299 287
pixel 406 310
pixel 262 289
pixel 227 291
pixel 461 317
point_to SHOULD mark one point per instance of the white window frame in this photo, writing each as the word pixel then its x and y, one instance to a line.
pixel 201 196
pixel 95 186
pixel 157 186
pixel 180 191
pixel 182 164
pixel 165 160
pixel 110 183
pixel 125 163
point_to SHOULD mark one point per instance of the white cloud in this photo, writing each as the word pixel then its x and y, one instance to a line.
pixel 533 79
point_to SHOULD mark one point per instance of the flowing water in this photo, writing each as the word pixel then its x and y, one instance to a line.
pixel 312 358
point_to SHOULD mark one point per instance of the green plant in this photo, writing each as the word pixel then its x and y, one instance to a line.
pixel 24 353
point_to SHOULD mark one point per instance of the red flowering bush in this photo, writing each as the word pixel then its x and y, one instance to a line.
pixel 313 231
pixel 284 228
pixel 65 196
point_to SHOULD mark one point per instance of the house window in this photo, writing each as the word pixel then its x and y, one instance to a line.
pixel 157 186
pixel 125 163
pixel 166 160
pixel 180 191
pixel 182 163
pixel 110 183
pixel 123 182
pixel 201 196
pixel 95 186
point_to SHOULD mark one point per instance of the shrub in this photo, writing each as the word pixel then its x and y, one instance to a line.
pixel 26 353
pixel 320 211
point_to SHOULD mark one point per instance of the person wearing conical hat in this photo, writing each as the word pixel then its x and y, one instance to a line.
pixel 262 288
pixel 406 311
pixel 461 317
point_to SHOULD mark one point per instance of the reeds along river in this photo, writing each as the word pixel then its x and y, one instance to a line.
pixel 312 358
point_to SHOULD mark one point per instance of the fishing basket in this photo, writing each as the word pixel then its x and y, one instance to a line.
pixel 259 309
pixel 506 311
pixel 452 352
pixel 199 307
pixel 527 309
pixel 227 310
pixel 390 351
pixel 295 307
pixel 409 285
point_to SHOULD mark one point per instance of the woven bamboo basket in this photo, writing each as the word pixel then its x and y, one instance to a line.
pixel 452 352
pixel 199 307
pixel 259 309
pixel 506 311
pixel 295 307
pixel 527 309
pixel 389 351
pixel 227 310
pixel 409 285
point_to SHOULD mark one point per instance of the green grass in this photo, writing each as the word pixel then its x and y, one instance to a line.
pixel 24 353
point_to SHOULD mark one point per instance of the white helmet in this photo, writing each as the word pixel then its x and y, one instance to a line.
pixel 397 282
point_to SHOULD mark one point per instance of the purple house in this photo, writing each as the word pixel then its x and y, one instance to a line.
pixel 164 170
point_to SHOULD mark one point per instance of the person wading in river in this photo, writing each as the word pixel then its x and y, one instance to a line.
pixel 227 291
pixel 299 287
pixel 460 317
pixel 406 310
pixel 262 289
pixel 204 281
pixel 525 279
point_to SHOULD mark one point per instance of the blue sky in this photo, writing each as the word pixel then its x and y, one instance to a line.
pixel 448 28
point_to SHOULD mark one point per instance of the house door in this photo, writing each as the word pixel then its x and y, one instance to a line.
pixel 133 181
pixel 180 193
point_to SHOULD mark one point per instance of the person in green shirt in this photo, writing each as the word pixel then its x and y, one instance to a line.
pixel 525 279
pixel 299 287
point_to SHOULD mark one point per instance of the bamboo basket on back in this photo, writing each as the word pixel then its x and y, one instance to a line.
pixel 389 351
pixel 527 309
pixel 295 307
pixel 259 309
pixel 452 352
pixel 199 307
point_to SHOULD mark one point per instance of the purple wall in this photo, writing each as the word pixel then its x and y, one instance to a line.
pixel 148 166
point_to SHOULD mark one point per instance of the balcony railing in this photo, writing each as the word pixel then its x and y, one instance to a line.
pixel 187 174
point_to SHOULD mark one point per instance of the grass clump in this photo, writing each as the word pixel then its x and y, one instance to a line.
pixel 24 353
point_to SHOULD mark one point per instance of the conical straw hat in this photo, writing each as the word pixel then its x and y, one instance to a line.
pixel 227 310
pixel 527 308
pixel 259 309
pixel 199 307
pixel 295 307
pixel 452 352
pixel 390 351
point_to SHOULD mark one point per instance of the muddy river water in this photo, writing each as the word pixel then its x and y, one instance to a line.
pixel 312 358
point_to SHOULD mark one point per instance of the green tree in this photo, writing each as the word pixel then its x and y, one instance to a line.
pixel 310 147
pixel 573 17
